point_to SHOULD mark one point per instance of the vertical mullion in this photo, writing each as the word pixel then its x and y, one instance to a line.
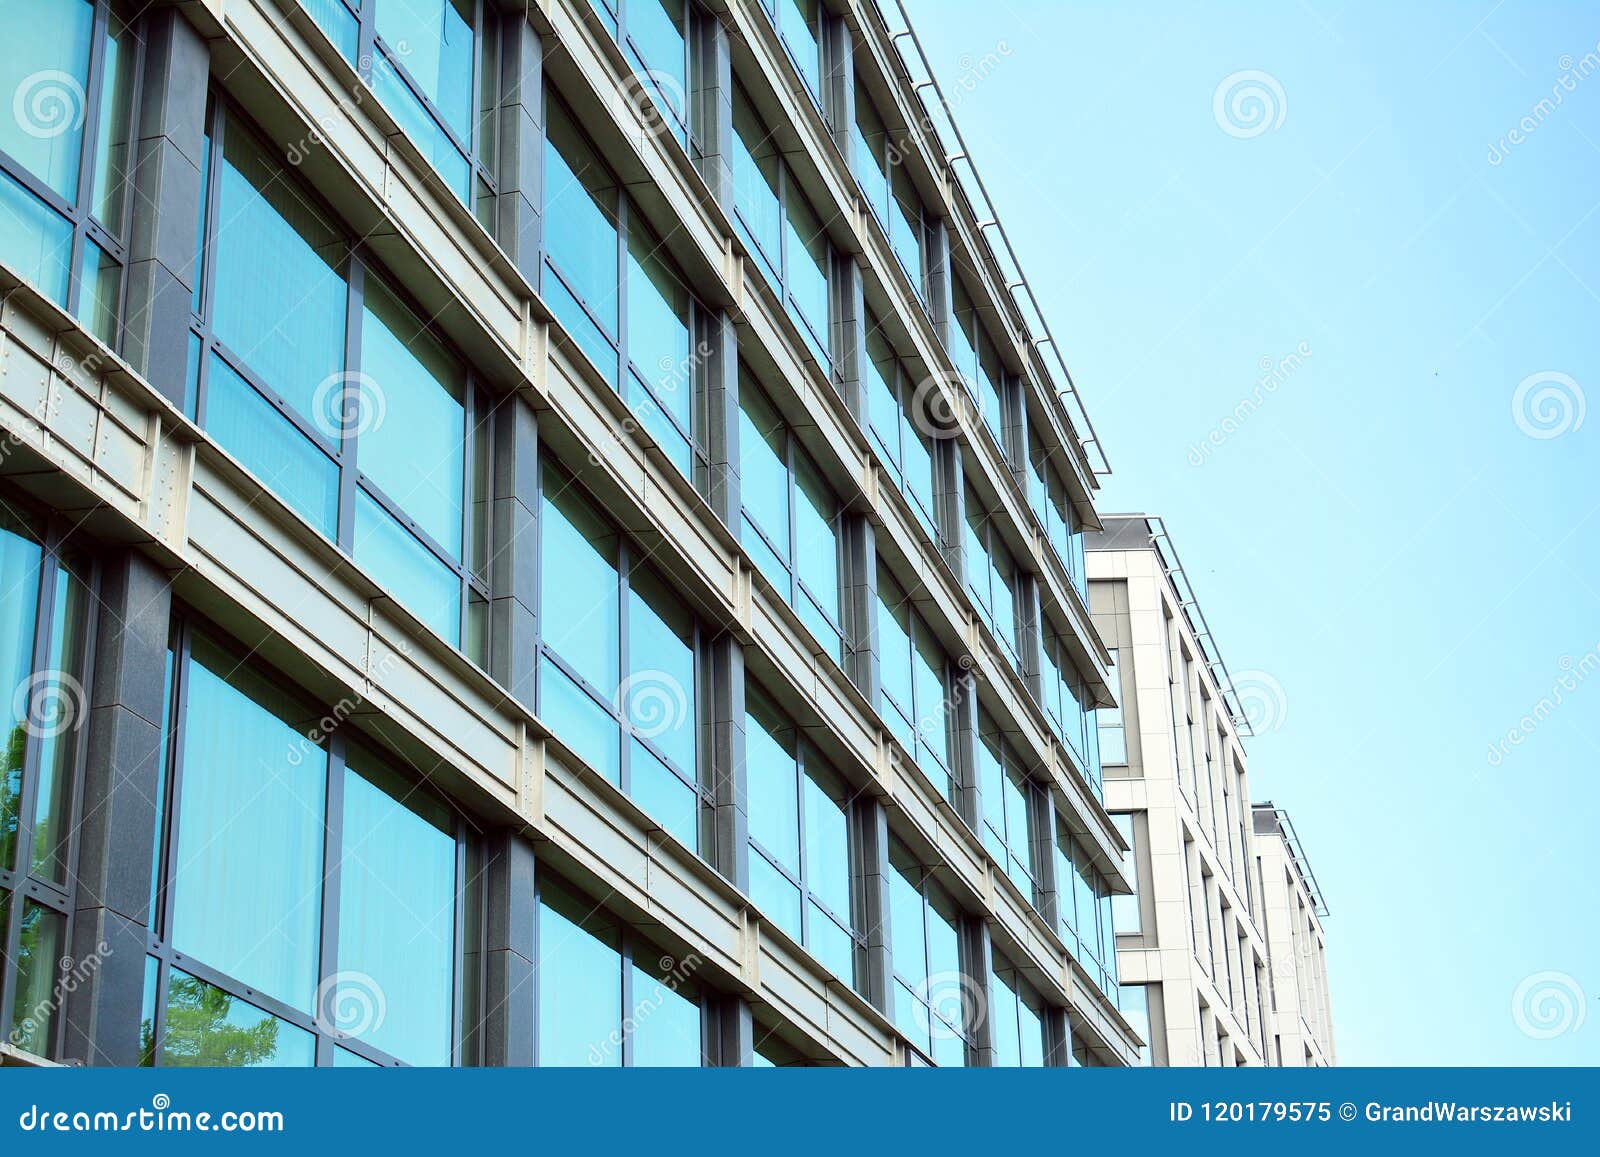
pixel 458 1027
pixel 355 297
pixel 177 725
pixel 332 870
pixel 366 39
pixel 804 873
pixel 624 228
pixel 625 948
pixel 469 466
pixel 158 1027
pixel 624 657
pixel 207 273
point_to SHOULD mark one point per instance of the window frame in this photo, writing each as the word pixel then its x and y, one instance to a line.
pixel 357 261
pixel 626 371
pixel 159 945
pixel 789 558
pixel 20 883
pixel 370 47
pixel 630 556
pixel 615 14
pixel 79 213
pixel 808 896
pixel 632 945
pixel 777 266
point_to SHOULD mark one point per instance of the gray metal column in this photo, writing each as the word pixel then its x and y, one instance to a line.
pixel 839 81
pixel 850 334
pixel 117 841
pixel 1030 642
pixel 1015 436
pixel 730 844
pixel 519 172
pixel 941 292
pixel 977 958
pixel 872 870
pixel 732 1029
pixel 719 337
pixel 861 659
pixel 964 709
pixel 514 543
pixel 166 201
pixel 1043 839
pixel 711 103
pixel 508 1031
pixel 950 498
pixel 1057 1037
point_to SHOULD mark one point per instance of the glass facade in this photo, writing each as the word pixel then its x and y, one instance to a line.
pixel 434 65
pixel 1009 801
pixel 654 37
pixel 44 604
pixel 778 224
pixel 790 523
pixel 934 1000
pixel 318 890
pixel 319 378
pixel 64 155
pixel 1084 917
pixel 917 701
pixel 992 577
pixel 610 282
pixel 606 998
pixel 800 848
pixel 893 410
pixel 309 895
pixel 618 660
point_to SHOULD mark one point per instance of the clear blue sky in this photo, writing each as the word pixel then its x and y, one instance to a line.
pixel 1381 536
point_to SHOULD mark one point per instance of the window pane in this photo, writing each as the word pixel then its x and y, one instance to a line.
pixel 44 72
pixel 280 298
pixel 208 1028
pixel 798 23
pixel 1003 1015
pixel 894 643
pixel 20 560
pixel 247 881
pixel 580 982
pixel 411 424
pixel 270 447
pixel 57 708
pixel 830 944
pixel 41 945
pixel 580 594
pixel 871 142
pixel 116 109
pixel 581 207
pixel 37 241
pixel 816 538
pixel 908 925
pixel 773 787
pixel 658 325
pixel 775 895
pixel 664 796
pixel 883 407
pixel 397 918
pixel 337 21
pixel 433 39
pixel 807 271
pixel 763 467
pixel 99 280
pixel 665 1014
pixel 580 722
pixel 656 29
pixel 755 182
pixel 409 570
pixel 660 685
pixel 827 840
pixel 418 124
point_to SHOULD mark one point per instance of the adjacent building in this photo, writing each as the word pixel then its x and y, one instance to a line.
pixel 551 533
pixel 1292 910
pixel 1198 970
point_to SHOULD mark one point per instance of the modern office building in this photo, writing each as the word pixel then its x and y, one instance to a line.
pixel 534 533
pixel 1198 973
pixel 1291 912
